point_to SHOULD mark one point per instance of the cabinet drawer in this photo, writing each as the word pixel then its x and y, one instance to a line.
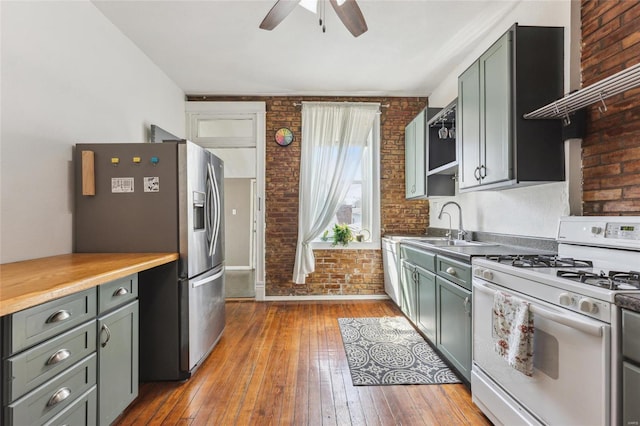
pixel 631 335
pixel 418 257
pixel 35 366
pixel 54 396
pixel 117 292
pixel 32 326
pixel 458 272
pixel 82 412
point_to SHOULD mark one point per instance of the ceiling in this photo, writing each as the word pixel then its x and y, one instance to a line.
pixel 215 47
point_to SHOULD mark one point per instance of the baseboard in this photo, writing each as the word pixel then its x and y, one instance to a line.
pixel 260 292
pixel 322 297
pixel 238 268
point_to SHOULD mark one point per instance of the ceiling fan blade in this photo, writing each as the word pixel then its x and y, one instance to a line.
pixel 278 12
pixel 351 16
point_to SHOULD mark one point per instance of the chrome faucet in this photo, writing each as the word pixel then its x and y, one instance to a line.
pixel 461 231
pixel 449 233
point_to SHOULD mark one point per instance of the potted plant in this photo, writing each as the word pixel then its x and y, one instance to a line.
pixel 342 234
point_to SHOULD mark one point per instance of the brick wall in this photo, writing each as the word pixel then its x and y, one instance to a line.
pixel 343 272
pixel 611 148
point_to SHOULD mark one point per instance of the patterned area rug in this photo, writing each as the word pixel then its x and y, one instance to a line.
pixel 389 351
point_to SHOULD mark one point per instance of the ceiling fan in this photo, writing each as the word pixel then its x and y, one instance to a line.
pixel 347 10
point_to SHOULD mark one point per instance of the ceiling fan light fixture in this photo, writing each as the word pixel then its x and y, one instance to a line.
pixel 347 10
pixel 310 5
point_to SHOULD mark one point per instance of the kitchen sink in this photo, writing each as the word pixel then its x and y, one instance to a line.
pixel 457 243
pixel 415 237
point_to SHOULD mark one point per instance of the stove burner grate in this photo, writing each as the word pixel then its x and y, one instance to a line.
pixel 615 280
pixel 540 261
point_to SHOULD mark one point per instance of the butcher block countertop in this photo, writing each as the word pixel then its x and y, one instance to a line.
pixel 32 282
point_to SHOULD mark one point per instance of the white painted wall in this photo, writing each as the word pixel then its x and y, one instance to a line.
pixel 534 210
pixel 67 76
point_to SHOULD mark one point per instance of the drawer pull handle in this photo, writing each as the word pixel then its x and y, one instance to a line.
pixel 59 356
pixel 108 333
pixel 61 315
pixel 59 396
pixel 466 304
pixel 120 292
pixel 451 271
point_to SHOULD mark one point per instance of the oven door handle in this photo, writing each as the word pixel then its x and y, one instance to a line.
pixel 569 321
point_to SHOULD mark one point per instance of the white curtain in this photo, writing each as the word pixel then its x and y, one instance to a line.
pixel 334 136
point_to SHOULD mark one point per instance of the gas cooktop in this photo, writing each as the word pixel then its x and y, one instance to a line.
pixel 613 280
pixel 540 261
pixel 582 271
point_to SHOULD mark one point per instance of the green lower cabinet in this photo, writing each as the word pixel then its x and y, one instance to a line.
pixel 117 361
pixel 454 324
pixel 427 303
pixel 408 303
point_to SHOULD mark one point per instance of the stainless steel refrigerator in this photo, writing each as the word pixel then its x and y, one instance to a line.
pixel 160 197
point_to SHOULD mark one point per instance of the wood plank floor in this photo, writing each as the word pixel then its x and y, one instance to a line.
pixel 283 363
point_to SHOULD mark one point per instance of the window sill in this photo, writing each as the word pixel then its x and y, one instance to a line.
pixel 354 245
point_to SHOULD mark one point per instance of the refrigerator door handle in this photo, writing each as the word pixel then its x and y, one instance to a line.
pixel 207 280
pixel 209 210
pixel 215 205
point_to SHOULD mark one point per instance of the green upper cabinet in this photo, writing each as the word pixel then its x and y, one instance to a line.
pixel 498 148
pixel 414 157
pixel 469 126
pixel 420 151
pixel 495 151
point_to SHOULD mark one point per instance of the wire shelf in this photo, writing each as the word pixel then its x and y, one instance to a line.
pixel 443 115
pixel 597 92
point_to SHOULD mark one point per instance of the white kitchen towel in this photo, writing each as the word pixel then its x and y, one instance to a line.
pixel 513 331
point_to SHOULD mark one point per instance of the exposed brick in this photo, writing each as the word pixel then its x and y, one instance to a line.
pixel 599 171
pixel 620 181
pixel 631 192
pixel 609 194
pixel 631 167
pixel 612 10
pixel 611 146
pixel 620 156
pixel 626 207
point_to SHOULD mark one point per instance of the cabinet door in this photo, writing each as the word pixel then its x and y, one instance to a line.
pixel 495 112
pixel 409 160
pixel 468 126
pixel 630 393
pixel 408 291
pixel 415 169
pixel 117 362
pixel 454 325
pixel 427 303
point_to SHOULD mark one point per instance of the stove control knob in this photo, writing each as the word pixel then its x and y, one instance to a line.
pixel 565 299
pixel 477 272
pixel 588 306
pixel 596 230
pixel 487 275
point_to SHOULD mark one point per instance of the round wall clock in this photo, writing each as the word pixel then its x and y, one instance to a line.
pixel 284 136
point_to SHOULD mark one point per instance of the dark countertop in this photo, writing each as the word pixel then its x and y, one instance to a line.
pixel 628 301
pixel 466 253
pixel 502 244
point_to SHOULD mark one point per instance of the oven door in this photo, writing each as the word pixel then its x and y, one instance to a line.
pixel 570 382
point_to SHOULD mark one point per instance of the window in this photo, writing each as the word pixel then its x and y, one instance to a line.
pixel 360 208
pixel 339 172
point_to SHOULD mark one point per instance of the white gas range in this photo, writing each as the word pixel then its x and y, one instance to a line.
pixel 576 373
